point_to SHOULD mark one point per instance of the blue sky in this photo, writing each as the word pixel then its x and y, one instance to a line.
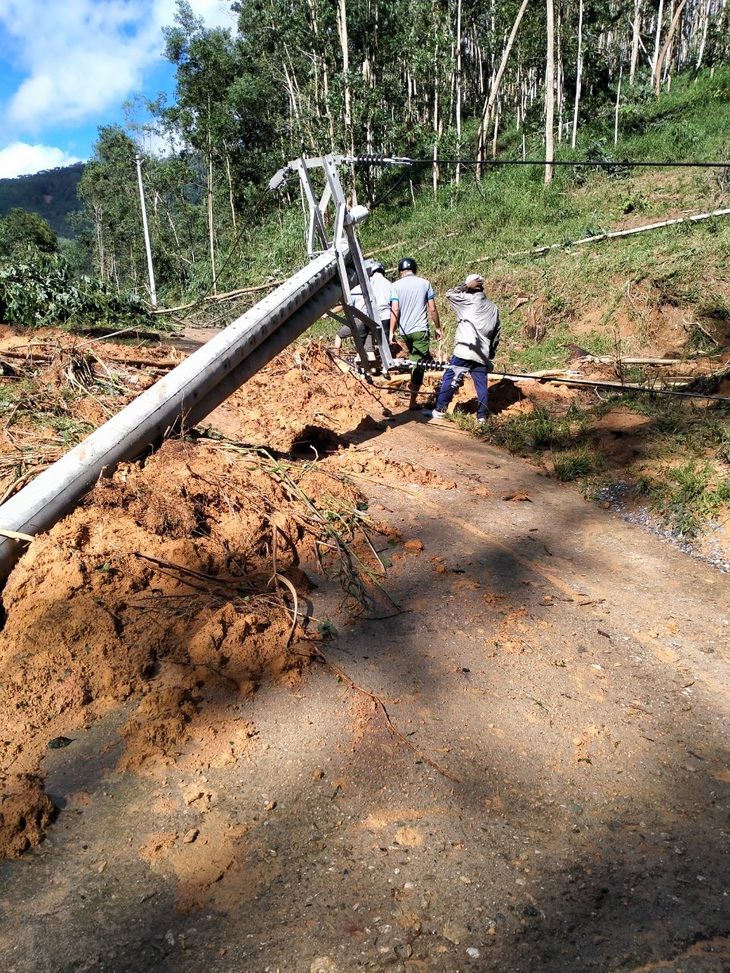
pixel 68 66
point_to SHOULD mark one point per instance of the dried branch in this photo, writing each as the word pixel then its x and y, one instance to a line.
pixel 380 705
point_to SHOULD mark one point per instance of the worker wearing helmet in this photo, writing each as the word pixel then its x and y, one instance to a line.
pixel 381 292
pixel 412 303
pixel 366 339
pixel 380 286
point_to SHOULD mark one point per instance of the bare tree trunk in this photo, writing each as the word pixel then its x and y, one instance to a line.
pixel 703 41
pixel 326 103
pixel 635 38
pixel 578 74
pixel 657 38
pixel 114 272
pixel 230 188
pixel 173 228
pixel 523 98
pixel 618 102
pixel 321 107
pixel 487 111
pixel 721 27
pixel 98 226
pixel 549 92
pixel 344 48
pixel 667 42
pixel 559 76
pixel 497 116
pixel 437 132
pixel 665 54
pixel 480 62
pixel 133 268
pixel 370 80
pixel 211 230
pixel 458 89
pixel 294 117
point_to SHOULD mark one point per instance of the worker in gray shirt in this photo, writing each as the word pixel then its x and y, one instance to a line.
pixel 412 303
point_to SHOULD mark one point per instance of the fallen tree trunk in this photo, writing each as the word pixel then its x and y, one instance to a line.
pixel 609 235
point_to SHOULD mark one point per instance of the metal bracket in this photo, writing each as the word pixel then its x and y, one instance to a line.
pixel 343 242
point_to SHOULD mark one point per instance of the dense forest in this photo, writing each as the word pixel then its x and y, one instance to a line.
pixel 51 194
pixel 454 84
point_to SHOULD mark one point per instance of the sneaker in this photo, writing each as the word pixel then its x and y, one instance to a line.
pixel 481 422
pixel 434 414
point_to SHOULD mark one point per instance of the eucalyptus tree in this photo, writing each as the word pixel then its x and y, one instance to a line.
pixel 495 87
pixel 110 197
pixel 371 76
pixel 205 66
pixel 222 113
pixel 549 90
pixel 291 45
pixel 21 230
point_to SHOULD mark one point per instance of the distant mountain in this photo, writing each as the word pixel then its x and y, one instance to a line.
pixel 51 194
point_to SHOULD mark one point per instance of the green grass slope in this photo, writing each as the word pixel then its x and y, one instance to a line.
pixel 664 290
pixel 653 292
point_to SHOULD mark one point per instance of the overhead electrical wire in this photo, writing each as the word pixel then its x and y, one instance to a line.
pixel 616 386
pixel 375 160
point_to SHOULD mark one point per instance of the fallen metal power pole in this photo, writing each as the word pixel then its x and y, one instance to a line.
pixel 205 379
pixel 188 393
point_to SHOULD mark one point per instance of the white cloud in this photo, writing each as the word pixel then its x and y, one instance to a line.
pixel 21 159
pixel 216 13
pixel 81 57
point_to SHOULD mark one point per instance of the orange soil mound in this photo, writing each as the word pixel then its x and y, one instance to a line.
pixel 173 583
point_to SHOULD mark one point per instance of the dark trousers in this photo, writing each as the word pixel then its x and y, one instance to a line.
pixel 453 379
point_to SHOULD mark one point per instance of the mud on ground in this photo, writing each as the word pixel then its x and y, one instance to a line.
pixel 481 725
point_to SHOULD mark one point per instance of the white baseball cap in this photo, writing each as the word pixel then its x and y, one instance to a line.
pixel 474 279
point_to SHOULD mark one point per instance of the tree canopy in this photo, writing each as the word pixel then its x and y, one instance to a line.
pixel 20 230
pixel 431 79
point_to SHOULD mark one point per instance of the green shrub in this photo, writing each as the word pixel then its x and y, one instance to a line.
pixel 685 498
pixel 575 464
pixel 40 290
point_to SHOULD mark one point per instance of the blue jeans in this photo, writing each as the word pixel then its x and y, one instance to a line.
pixel 453 379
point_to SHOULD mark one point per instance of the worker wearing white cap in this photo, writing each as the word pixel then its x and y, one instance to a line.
pixel 477 338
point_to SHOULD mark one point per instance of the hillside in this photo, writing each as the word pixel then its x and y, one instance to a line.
pixel 671 163
pixel 51 194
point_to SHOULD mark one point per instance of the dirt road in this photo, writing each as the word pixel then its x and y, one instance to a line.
pixel 516 761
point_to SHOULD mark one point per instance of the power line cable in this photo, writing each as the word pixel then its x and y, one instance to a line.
pixel 376 160
pixel 616 387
